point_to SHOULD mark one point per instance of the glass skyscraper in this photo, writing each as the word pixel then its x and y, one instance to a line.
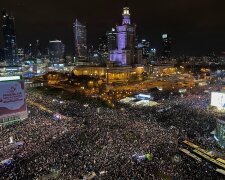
pixel 9 36
pixel 145 46
pixel 111 39
pixel 80 39
pixel 167 42
pixel 56 51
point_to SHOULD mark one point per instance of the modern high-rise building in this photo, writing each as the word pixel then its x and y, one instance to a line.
pixel 2 55
pixel 9 36
pixel 102 45
pixel 37 49
pixel 20 54
pixel 111 39
pixel 80 39
pixel 144 45
pixel 152 52
pixel 103 50
pixel 167 43
pixel 126 52
pixel 56 51
pixel 29 53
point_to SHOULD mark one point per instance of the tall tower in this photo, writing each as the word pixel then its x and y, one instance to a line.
pixel 144 45
pixel 56 51
pixel 111 39
pixel 80 39
pixel 30 51
pixel 167 43
pixel 126 15
pixel 9 36
pixel 37 49
pixel 126 32
pixel 126 53
pixel 1 55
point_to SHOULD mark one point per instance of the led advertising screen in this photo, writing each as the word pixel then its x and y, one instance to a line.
pixel 12 99
pixel 218 100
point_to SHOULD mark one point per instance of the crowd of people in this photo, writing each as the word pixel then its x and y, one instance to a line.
pixel 86 140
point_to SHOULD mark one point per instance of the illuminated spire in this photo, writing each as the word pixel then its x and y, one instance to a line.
pixel 126 11
pixel 126 15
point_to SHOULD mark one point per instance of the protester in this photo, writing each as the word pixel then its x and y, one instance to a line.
pixel 88 141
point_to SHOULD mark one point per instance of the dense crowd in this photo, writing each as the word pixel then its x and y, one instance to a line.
pixel 86 140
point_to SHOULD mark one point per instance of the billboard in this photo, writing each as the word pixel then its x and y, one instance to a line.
pixel 12 100
pixel 218 100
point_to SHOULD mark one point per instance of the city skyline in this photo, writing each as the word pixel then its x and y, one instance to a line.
pixel 197 28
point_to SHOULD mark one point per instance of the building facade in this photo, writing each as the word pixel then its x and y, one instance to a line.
pixel 37 49
pixel 29 51
pixel 80 39
pixel 56 51
pixel 20 54
pixel 102 53
pixel 9 36
pixel 126 52
pixel 220 132
pixel 145 46
pixel 111 39
pixel 2 57
pixel 167 43
pixel 112 74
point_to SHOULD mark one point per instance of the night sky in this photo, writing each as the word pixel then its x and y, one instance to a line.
pixel 197 26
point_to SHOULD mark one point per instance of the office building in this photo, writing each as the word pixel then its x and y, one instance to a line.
pixel 103 45
pixel 1 55
pixel 103 50
pixel 20 54
pixel 167 43
pixel 9 37
pixel 152 55
pixel 111 39
pixel 144 45
pixel 80 39
pixel 220 132
pixel 56 51
pixel 37 49
pixel 29 52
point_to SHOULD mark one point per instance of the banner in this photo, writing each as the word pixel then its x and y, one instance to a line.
pixel 12 99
